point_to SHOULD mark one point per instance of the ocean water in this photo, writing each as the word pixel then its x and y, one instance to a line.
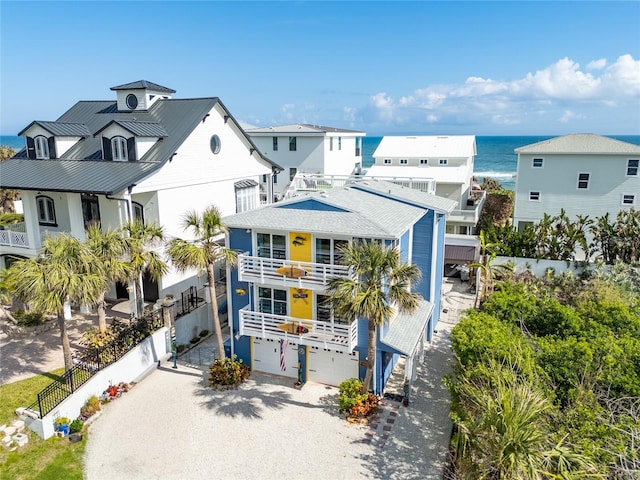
pixel 496 157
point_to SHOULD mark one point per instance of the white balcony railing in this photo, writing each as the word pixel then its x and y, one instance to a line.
pixel 470 213
pixel 302 331
pixel 14 235
pixel 288 273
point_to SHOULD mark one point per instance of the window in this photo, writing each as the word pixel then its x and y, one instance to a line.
pixel 328 250
pixel 119 149
pixel 42 147
pixel 246 195
pixel 292 173
pixel 214 144
pixel 628 199
pixel 131 101
pixel 443 161
pixel 293 146
pixel 138 212
pixel 424 161
pixel 534 196
pixel 331 144
pixel 387 161
pixel 46 211
pixel 404 161
pixel 275 144
pixel 632 167
pixel 323 310
pixel 272 246
pixel 272 300
pixel 339 143
pixel 537 162
pixel 583 181
pixel 90 209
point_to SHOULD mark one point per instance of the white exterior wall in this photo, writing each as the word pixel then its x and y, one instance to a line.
pixel 557 182
pixel 143 145
pixel 343 161
pixel 195 165
pixel 64 143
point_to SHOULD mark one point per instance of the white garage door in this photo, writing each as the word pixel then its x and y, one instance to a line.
pixel 331 367
pixel 266 357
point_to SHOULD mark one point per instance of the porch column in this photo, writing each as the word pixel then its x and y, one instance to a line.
pixel 76 217
pixel 31 224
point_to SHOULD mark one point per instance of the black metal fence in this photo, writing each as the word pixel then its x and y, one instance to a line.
pixel 126 336
pixel 189 300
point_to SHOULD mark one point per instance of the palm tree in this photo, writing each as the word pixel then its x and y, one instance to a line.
pixel 488 252
pixel 66 270
pixel 202 253
pixel 109 247
pixel 381 284
pixel 140 243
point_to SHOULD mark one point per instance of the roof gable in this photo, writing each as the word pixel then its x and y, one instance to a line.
pixel 311 204
pixel 60 129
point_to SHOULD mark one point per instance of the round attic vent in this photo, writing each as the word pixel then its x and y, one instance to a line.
pixel 132 101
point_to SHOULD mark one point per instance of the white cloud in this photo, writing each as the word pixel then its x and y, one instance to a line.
pixel 560 93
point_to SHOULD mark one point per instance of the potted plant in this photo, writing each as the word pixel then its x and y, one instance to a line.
pixel 62 425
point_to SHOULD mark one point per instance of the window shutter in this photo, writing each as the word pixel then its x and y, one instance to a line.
pixel 52 147
pixel 31 148
pixel 131 148
pixel 106 148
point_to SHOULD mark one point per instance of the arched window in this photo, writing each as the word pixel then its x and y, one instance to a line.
pixel 119 149
pixel 138 212
pixel 46 210
pixel 42 147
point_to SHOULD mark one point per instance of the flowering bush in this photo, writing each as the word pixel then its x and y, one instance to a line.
pixel 227 373
pixel 354 402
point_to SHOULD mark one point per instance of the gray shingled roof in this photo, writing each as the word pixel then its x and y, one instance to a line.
pixel 175 119
pixel 140 129
pixel 363 215
pixel 85 176
pixel 61 129
pixel 582 143
pixel 406 329
pixel 411 195
pixel 142 84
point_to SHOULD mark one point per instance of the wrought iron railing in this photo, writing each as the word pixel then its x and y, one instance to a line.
pixel 94 359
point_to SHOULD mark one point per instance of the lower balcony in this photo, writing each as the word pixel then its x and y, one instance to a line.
pixel 14 235
pixel 328 335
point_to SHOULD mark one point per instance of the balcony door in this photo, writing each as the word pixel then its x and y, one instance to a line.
pixel 272 246
pixel 328 250
pixel 90 209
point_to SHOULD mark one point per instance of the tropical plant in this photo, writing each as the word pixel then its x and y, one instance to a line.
pixel 141 244
pixel 226 373
pixel 380 285
pixel 109 247
pixel 558 238
pixel 65 271
pixel 202 253
pixel 7 197
pixel 488 252
pixel 618 240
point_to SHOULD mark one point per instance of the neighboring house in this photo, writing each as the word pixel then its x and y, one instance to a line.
pixel 280 323
pixel 584 174
pixel 446 161
pixel 303 148
pixel 142 155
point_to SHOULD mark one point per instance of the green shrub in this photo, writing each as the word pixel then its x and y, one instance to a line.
pixel 9 218
pixel 91 407
pixel 350 393
pixel 203 333
pixel 28 319
pixel 227 373
pixel 76 426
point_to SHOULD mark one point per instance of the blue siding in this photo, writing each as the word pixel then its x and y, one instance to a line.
pixel 240 241
pixel 404 247
pixel 422 254
pixel 311 205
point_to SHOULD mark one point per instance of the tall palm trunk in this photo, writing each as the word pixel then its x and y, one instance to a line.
pixel 101 306
pixel 66 344
pixel 211 278
pixel 371 355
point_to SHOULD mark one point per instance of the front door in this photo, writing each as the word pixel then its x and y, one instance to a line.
pixel 90 209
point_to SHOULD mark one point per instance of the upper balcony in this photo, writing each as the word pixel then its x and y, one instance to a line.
pixel 470 213
pixel 335 336
pixel 288 273
pixel 311 182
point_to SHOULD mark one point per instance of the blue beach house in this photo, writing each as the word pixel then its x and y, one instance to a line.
pixel 280 322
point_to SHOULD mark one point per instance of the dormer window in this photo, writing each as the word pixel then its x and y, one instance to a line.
pixel 42 147
pixel 119 149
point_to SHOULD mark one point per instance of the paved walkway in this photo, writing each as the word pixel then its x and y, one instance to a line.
pixel 172 426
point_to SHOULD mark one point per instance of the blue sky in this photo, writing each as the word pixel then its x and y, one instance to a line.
pixel 484 68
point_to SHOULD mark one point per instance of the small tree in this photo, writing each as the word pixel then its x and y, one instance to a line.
pixel 141 242
pixel 202 253
pixel 66 270
pixel 381 284
pixel 7 197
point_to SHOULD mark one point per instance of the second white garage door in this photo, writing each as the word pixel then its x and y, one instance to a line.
pixel 266 357
pixel 331 367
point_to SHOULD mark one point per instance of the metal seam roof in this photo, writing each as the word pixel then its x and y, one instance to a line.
pixel 406 329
